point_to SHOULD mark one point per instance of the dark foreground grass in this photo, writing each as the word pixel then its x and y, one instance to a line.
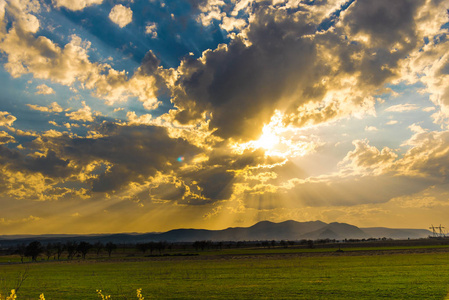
pixel 394 276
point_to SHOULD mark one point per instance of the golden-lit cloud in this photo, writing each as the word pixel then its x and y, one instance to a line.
pixel 6 138
pixel 54 107
pixel 44 89
pixel 121 15
pixel 151 29
pixel 76 5
pixel 83 114
pixel 6 119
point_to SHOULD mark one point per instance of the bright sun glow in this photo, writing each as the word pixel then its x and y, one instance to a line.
pixel 280 140
pixel 267 141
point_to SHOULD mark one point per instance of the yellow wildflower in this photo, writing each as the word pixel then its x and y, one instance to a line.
pixel 139 294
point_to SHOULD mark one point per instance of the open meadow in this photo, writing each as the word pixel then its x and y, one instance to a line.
pixel 241 274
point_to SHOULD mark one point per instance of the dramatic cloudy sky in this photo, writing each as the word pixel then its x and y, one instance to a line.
pixel 148 115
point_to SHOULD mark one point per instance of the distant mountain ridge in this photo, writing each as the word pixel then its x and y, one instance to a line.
pixel 264 230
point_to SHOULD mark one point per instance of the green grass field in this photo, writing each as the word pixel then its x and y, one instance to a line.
pixel 240 276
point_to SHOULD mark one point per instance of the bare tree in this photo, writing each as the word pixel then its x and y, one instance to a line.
pixel 110 247
pixel 71 249
pixel 59 247
pixel 98 247
pixel 20 249
pixel 49 250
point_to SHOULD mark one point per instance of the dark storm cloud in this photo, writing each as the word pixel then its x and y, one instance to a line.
pixel 135 153
pixel 385 22
pixel 216 176
pixel 50 164
pixel 242 85
pixel 288 65
pixel 149 63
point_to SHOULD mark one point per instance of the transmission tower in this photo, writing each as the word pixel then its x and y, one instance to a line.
pixel 441 232
pixel 434 231
pixel 437 231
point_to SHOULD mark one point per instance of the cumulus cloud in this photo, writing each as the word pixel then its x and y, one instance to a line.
pixel 44 89
pixel 54 107
pixel 282 61
pixel 121 15
pixel 368 159
pixel 27 53
pixel 6 138
pixel 76 5
pixel 6 119
pixel 134 154
pixel 83 114
pixel 392 122
pixel 151 29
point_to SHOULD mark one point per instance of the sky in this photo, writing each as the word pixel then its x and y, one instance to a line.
pixel 150 115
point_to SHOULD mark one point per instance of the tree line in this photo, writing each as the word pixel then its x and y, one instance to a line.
pixel 75 249
pixel 71 248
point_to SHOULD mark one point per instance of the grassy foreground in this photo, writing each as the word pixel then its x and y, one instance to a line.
pixel 393 276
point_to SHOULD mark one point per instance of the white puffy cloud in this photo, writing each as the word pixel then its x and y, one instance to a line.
pixel 76 4
pixel 121 15
pixel 44 89
pixel 366 159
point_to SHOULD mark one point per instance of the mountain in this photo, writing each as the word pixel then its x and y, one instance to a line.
pixel 337 231
pixel 397 233
pixel 265 230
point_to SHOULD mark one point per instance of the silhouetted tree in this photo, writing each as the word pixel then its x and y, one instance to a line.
pixel 33 250
pixel 49 250
pixel 59 248
pixel 20 249
pixel 98 246
pixel 71 249
pixel 310 244
pixel 161 247
pixel 110 247
pixel 201 245
pixel 143 247
pixel 83 248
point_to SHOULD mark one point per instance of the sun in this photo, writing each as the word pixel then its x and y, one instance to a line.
pixel 280 140
pixel 268 141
